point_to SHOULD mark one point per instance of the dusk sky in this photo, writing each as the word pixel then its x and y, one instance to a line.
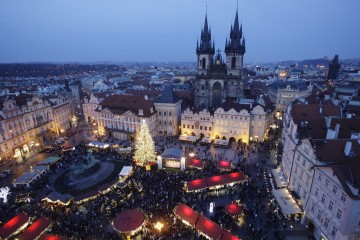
pixel 167 30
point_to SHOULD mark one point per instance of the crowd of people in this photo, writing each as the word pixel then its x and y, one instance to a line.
pixel 156 193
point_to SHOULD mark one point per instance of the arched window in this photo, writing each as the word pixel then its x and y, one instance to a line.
pixel 233 62
pixel 203 63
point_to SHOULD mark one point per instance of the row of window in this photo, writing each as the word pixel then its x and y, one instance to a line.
pixel 200 127
pixel 334 188
pixel 164 113
pixel 326 222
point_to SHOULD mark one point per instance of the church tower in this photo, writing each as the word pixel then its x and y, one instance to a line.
pixel 235 49
pixel 217 81
pixel 205 51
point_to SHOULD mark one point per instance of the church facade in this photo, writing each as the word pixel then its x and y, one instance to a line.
pixel 218 80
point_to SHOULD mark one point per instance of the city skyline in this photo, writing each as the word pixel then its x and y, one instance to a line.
pixel 160 31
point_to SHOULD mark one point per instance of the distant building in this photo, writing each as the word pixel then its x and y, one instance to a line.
pixel 334 68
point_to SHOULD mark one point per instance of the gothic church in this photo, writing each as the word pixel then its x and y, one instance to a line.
pixel 216 80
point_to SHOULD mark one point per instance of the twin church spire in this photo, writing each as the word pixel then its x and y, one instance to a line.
pixel 235 44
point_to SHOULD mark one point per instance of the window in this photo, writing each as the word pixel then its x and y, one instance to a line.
pixel 334 189
pixel 183 125
pixel 160 113
pixel 326 223
pixel 319 215
pixel 333 232
pixel 320 177
pixel 209 128
pixel 323 198
pixel 188 126
pixel 316 192
pixel 338 214
pixel 192 126
pixel 331 205
pixel 343 197
pixel 313 208
pixel 200 127
pixel 327 182
pixel 205 128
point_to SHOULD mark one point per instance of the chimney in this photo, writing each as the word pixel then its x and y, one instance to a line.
pixel 347 149
pixel 146 97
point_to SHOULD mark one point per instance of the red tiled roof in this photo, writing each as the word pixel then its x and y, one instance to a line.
pixel 11 226
pixel 35 229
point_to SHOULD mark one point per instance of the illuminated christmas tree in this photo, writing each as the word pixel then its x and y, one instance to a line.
pixel 144 147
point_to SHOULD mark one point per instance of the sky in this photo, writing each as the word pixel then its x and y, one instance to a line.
pixel 167 30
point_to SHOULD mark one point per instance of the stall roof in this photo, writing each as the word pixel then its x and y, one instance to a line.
pixel 11 226
pixel 206 140
pixel 219 180
pixel 172 153
pixel 286 201
pixel 221 142
pixel 228 236
pixel 129 220
pixel 35 230
pixel 196 184
pixel 51 237
pixel 233 209
pixel 29 175
pixel 125 171
pixel 97 144
pixel 279 178
pixel 186 213
pixel 49 161
pixel 197 163
pixel 209 228
pixel 226 165
pixel 59 197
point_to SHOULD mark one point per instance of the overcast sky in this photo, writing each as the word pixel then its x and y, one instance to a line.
pixel 166 30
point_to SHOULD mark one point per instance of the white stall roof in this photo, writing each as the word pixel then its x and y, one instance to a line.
pixel 221 142
pixel 125 171
pixel 30 175
pixel 206 140
pixel 286 201
pixel 96 144
pixel 279 178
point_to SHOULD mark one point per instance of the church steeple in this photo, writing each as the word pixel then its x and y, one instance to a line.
pixel 205 40
pixel 235 42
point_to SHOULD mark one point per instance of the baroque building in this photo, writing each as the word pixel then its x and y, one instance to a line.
pixel 217 80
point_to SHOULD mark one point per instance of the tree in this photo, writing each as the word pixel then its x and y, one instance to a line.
pixel 144 147
pixel 4 192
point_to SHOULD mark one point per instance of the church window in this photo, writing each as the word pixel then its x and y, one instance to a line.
pixel 203 63
pixel 233 62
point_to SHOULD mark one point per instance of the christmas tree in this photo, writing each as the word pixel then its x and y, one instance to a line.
pixel 144 147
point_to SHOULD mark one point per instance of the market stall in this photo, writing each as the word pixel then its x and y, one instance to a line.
pixel 101 145
pixel 279 178
pixel 209 228
pixel 31 175
pixel 171 157
pixel 205 141
pixel 129 222
pixel 215 181
pixel 14 226
pixel 286 201
pixel 224 165
pixel 59 198
pixel 51 237
pixel 187 215
pixel 221 143
pixel 233 209
pixel 125 172
pixel 35 230
pixel 49 161
pixel 195 163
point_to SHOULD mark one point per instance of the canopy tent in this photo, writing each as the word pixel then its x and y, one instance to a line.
pixel 49 161
pixel 196 163
pixel 126 171
pixel 186 138
pixel 233 209
pixel 186 214
pixel 203 224
pixel 221 142
pixel 97 144
pixel 224 165
pixel 286 201
pixel 51 237
pixel 174 153
pixel 30 175
pixel 209 228
pixel 279 178
pixel 56 197
pixel 215 181
pixel 128 221
pixel 67 147
pixel 14 225
pixel 206 140
pixel 35 230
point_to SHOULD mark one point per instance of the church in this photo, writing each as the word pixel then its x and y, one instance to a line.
pixel 216 80
pixel 220 110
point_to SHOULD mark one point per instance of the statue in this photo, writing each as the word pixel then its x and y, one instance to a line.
pixel 78 168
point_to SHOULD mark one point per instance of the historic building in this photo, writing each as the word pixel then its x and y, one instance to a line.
pixel 120 116
pixel 217 80
pixel 168 108
pixel 24 120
